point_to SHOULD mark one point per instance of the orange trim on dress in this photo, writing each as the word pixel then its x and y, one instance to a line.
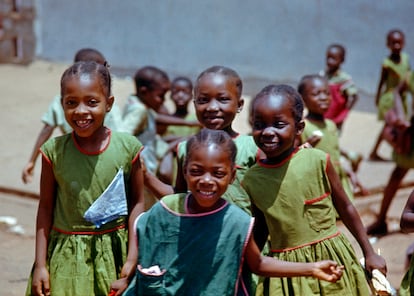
pixel 313 200
pixel 89 232
pixel 304 245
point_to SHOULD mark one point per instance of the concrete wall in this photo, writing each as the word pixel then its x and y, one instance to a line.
pixel 263 40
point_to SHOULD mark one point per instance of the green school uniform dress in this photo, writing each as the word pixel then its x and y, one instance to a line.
pixel 396 73
pixel 197 254
pixel 247 154
pixel 295 198
pixel 84 257
pixel 330 144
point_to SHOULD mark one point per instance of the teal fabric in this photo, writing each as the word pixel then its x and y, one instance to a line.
pixel 199 254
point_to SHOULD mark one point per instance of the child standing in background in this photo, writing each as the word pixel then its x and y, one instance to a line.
pixel 343 90
pixel 393 71
pixel 294 194
pixel 321 132
pixel 195 243
pixel 181 95
pixel 91 184
pixel 404 160
pixel 54 117
pixel 217 100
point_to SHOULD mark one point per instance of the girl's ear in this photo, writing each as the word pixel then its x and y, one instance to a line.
pixel 240 105
pixel 233 174
pixel 299 127
pixel 109 103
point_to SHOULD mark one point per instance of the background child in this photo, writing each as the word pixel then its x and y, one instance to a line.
pixel 294 195
pixel 404 161
pixel 202 232
pixel 343 91
pixel 319 131
pixel 91 181
pixel 54 116
pixel 217 100
pixel 407 226
pixel 393 71
pixel 181 95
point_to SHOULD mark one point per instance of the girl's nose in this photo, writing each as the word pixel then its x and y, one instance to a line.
pixel 268 131
pixel 206 179
pixel 81 108
pixel 213 106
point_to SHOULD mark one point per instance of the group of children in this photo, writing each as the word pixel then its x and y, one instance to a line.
pixel 230 199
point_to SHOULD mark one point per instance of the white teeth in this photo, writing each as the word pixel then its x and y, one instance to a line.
pixel 82 123
pixel 206 192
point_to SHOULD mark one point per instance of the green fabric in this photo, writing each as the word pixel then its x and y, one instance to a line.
pixel 183 131
pixel 200 254
pixel 295 198
pixel 396 74
pixel 81 264
pixel 348 86
pixel 407 283
pixel 330 144
pixel 247 152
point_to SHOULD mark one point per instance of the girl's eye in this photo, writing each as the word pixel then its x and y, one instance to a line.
pixel 201 100
pixel 258 125
pixel 219 174
pixel 195 172
pixel 224 99
pixel 93 102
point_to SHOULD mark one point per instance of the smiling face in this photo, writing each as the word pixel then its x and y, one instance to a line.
pixel 208 172
pixel 317 96
pixel 217 101
pixel 274 126
pixel 85 104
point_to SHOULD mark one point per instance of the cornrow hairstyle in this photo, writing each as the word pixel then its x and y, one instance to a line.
pixel 149 77
pixel 225 71
pixel 207 137
pixel 88 68
pixel 90 54
pixel 287 92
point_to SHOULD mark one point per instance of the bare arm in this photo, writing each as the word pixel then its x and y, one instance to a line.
pixel 383 77
pixel 267 266
pixel 43 136
pixel 260 230
pixel 173 120
pixel 352 99
pixel 407 217
pixel 352 221
pixel 136 207
pixel 40 283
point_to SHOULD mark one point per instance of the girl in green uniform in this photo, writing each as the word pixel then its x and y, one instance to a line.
pixel 393 71
pixel 217 100
pixel 294 193
pixel 195 243
pixel 91 182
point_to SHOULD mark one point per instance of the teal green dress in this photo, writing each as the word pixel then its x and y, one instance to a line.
pixel 82 258
pixel 197 254
pixel 295 199
pixel 330 144
pixel 247 154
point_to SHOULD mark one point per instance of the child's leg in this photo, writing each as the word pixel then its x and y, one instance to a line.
pixel 380 225
pixel 373 156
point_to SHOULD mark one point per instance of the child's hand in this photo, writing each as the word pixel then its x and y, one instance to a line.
pixel 119 286
pixel 327 270
pixel 375 261
pixel 40 282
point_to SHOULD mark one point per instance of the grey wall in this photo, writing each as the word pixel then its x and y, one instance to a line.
pixel 263 40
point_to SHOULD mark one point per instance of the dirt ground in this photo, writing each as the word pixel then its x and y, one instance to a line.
pixel 27 91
